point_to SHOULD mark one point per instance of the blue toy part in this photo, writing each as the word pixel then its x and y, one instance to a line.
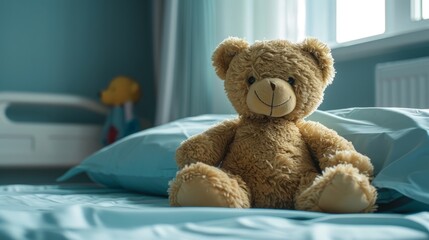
pixel 117 127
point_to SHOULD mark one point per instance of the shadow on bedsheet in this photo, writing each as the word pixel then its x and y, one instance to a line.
pixel 37 176
pixel 399 204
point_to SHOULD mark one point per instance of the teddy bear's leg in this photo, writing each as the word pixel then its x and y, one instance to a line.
pixel 340 189
pixel 202 185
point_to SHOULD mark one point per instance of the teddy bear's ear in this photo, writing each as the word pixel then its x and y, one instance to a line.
pixel 225 52
pixel 322 54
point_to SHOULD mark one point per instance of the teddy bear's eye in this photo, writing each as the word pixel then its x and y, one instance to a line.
pixel 251 80
pixel 291 81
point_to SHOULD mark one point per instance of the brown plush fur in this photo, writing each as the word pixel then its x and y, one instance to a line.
pixel 270 157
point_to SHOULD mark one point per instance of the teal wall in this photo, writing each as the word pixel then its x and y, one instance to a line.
pixel 76 47
pixel 354 84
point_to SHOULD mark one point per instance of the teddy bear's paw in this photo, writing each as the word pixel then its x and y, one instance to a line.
pixel 347 192
pixel 203 185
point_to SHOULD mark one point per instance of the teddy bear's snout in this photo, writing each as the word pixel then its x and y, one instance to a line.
pixel 271 97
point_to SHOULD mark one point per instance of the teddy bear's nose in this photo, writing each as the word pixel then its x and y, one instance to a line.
pixel 273 86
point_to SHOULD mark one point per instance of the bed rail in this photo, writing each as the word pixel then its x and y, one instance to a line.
pixel 27 144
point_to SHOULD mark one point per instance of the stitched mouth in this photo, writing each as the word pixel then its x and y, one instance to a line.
pixel 272 100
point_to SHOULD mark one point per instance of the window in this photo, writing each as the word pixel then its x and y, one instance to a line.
pixel 420 10
pixel 355 20
pixel 341 21
pixel 425 9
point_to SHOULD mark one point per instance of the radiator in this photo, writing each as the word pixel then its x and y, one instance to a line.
pixel 402 84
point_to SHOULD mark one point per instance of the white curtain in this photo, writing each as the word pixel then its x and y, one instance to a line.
pixel 188 32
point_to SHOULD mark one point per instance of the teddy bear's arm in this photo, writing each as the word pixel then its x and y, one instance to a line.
pixel 208 147
pixel 330 149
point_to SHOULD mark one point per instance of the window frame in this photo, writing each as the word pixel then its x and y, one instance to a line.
pixel 321 21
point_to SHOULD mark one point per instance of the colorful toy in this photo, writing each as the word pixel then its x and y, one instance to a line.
pixel 121 95
pixel 270 156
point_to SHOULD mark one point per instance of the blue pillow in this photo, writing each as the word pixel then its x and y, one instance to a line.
pixel 396 140
pixel 144 161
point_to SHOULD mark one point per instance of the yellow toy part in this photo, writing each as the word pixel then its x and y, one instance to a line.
pixel 121 90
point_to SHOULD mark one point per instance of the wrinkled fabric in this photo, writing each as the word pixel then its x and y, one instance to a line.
pixel 91 212
pixel 396 140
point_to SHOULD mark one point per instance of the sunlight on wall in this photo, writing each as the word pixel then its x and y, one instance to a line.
pixel 359 18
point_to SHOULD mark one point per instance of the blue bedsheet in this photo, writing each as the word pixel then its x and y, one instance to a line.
pixel 92 212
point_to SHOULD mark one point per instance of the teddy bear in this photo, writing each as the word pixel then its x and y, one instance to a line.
pixel 270 156
pixel 120 95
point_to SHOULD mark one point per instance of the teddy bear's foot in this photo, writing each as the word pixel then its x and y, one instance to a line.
pixel 203 185
pixel 344 194
pixel 341 189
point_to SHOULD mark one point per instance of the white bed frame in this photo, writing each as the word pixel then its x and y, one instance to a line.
pixel 26 144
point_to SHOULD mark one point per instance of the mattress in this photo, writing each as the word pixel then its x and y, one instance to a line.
pixel 90 211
